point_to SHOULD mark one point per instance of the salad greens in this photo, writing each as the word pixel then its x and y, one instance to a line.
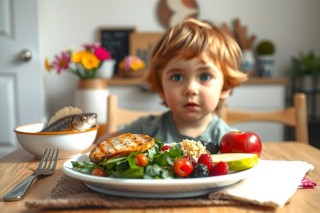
pixel 160 164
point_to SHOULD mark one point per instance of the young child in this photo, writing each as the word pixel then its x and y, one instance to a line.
pixel 193 67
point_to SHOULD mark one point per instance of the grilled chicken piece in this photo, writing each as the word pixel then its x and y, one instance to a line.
pixel 121 145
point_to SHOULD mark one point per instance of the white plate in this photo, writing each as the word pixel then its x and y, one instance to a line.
pixel 153 188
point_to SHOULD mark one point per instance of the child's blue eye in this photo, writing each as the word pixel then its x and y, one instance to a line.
pixel 205 77
pixel 176 77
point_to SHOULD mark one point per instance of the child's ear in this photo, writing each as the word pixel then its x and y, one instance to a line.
pixel 225 94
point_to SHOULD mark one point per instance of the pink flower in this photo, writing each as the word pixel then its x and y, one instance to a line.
pixel 131 63
pixel 61 62
pixel 90 46
pixel 85 63
pixel 102 54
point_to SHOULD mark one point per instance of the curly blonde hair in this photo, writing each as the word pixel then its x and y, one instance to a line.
pixel 190 39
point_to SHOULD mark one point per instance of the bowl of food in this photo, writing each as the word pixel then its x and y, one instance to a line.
pixel 72 134
pixel 69 143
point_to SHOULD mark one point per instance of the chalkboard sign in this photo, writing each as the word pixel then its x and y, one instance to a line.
pixel 116 41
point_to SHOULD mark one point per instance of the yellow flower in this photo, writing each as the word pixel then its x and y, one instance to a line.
pixel 137 65
pixel 90 61
pixel 131 63
pixel 47 64
pixel 77 56
pixel 84 63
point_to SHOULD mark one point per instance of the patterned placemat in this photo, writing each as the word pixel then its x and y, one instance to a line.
pixel 72 193
pixel 272 184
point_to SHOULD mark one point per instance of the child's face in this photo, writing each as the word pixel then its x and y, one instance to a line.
pixel 192 88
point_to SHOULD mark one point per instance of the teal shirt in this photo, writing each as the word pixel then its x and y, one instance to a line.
pixel 163 128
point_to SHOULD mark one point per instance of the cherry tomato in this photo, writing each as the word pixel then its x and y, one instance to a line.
pixel 165 148
pixel 182 167
pixel 98 172
pixel 142 160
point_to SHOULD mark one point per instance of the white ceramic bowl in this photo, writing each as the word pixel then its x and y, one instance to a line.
pixel 69 143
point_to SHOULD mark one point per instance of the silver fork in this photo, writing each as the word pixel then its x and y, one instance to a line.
pixel 46 166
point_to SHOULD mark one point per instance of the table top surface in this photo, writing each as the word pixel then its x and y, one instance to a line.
pixel 18 165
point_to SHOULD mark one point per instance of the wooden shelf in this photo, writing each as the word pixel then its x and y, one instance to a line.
pixel 120 81
pixel 266 80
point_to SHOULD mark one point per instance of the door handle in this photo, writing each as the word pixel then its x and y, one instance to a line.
pixel 25 55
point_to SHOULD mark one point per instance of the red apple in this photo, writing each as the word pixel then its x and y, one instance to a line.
pixel 240 142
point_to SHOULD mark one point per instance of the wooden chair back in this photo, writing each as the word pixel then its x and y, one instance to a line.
pixel 295 116
pixel 117 116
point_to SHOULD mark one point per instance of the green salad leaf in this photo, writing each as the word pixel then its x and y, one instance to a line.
pixel 160 164
pixel 85 166
pixel 155 171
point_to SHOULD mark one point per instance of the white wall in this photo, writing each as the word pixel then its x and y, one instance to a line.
pixel 291 24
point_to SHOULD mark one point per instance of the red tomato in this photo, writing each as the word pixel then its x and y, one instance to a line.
pixel 142 160
pixel 98 172
pixel 240 142
pixel 165 148
pixel 182 167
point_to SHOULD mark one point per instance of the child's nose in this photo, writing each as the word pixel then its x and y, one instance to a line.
pixel 191 88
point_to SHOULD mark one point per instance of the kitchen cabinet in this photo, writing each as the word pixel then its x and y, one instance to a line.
pixel 257 94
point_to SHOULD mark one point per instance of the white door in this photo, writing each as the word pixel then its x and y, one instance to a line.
pixel 21 87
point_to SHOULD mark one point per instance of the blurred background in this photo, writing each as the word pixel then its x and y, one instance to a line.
pixel 291 25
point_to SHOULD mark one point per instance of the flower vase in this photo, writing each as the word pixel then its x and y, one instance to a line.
pixel 248 63
pixel 106 71
pixel 265 65
pixel 91 96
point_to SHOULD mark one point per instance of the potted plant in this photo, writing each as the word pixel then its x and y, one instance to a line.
pixel 265 59
pixel 305 71
pixel 305 64
pixel 305 74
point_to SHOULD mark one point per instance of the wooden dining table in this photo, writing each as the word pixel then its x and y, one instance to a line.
pixel 19 164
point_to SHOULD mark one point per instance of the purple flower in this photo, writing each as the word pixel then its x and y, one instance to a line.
pixel 90 47
pixel 61 62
